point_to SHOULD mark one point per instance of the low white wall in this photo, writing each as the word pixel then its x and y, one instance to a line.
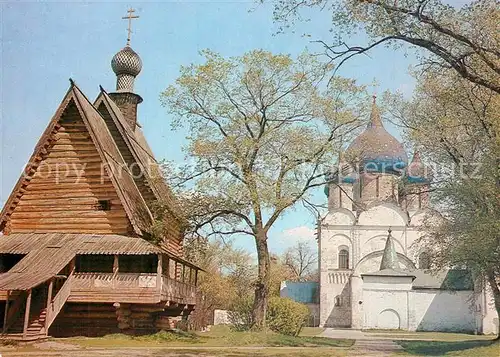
pixel 419 310
pixel 385 309
pixel 489 319
pixel 439 310
pixel 221 317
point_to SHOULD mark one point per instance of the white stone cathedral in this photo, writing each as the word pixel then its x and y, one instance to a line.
pixel 373 274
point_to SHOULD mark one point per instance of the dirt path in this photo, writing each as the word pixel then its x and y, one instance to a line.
pixel 382 347
pixel 204 352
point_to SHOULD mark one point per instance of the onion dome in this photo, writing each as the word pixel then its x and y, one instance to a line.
pixel 127 65
pixel 417 171
pixel 126 61
pixel 375 150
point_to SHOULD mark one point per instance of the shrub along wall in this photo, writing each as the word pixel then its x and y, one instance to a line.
pixel 286 316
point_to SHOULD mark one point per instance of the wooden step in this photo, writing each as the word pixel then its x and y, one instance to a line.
pixel 20 337
pixel 36 325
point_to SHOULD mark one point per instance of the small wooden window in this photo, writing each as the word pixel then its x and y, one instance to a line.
pixel 103 205
pixel 344 259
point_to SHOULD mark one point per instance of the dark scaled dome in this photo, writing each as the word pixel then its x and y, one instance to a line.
pixel 126 61
pixel 376 150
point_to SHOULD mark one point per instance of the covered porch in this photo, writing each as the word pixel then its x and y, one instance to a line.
pixel 41 278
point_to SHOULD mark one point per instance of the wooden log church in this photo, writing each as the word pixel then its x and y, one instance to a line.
pixel 76 251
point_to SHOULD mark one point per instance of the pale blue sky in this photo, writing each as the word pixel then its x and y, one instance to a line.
pixel 44 44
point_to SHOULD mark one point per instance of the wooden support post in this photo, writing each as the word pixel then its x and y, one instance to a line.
pixel 116 264
pixel 72 265
pixel 27 314
pixel 116 268
pixel 190 275
pixel 183 273
pixel 159 271
pixel 167 268
pixel 196 277
pixel 49 304
pixel 6 311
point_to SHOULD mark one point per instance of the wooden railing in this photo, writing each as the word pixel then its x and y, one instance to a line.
pixel 113 287
pixel 59 300
pixel 98 281
pixel 178 291
pixel 130 287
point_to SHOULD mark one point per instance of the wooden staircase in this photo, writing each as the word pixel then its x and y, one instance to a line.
pixel 42 314
pixel 36 320
pixel 35 330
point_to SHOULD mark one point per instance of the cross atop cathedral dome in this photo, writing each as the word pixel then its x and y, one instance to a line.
pixel 375 149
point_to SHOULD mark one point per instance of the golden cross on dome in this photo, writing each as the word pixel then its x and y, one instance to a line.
pixel 130 16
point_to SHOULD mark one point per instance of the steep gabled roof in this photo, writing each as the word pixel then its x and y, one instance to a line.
pixel 137 211
pixel 143 156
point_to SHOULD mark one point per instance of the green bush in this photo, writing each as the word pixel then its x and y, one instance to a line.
pixel 286 316
pixel 240 314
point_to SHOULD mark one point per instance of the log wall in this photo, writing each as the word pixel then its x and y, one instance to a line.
pixel 100 319
pixel 63 194
pixel 173 235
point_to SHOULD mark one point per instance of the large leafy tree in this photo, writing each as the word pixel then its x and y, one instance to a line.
pixel 464 39
pixel 261 129
pixel 457 126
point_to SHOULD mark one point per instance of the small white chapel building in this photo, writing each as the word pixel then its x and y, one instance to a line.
pixel 373 274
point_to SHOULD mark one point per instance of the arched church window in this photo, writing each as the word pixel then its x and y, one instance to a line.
pixel 344 259
pixel 424 261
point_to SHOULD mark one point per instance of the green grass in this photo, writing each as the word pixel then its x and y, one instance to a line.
pixel 311 331
pixel 479 348
pixel 219 336
pixel 262 352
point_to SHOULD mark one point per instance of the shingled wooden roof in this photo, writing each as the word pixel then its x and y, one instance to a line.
pixel 140 150
pixel 135 206
pixel 23 243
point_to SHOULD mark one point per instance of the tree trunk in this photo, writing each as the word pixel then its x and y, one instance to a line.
pixel 492 280
pixel 262 284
